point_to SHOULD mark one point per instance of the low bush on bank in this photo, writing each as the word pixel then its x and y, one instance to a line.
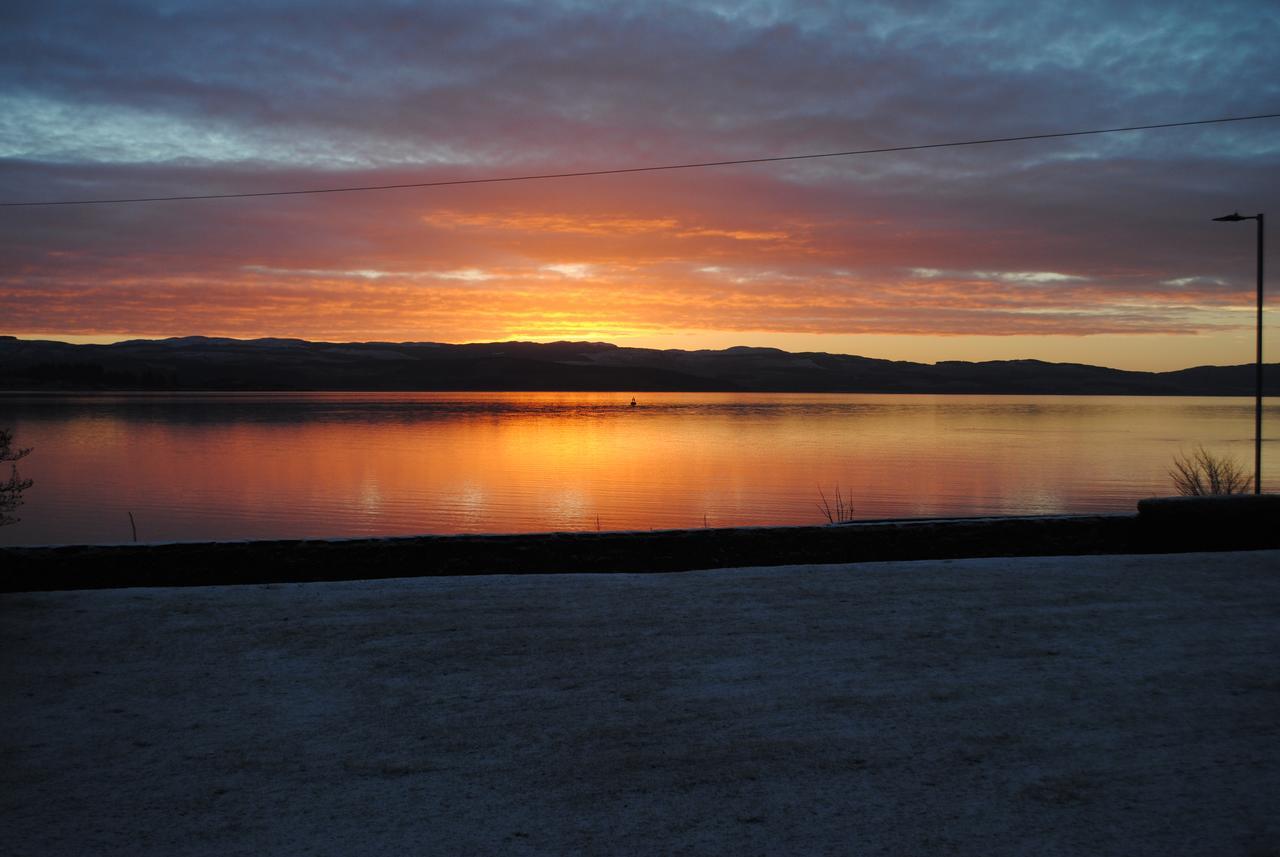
pixel 1203 473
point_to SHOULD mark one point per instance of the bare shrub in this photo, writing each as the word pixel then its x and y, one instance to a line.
pixel 1202 473
pixel 11 490
pixel 838 509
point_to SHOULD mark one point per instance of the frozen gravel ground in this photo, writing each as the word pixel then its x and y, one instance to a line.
pixel 1124 705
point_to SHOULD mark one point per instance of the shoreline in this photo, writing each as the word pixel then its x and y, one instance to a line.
pixel 1161 525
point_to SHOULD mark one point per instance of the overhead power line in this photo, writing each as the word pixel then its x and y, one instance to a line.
pixel 650 169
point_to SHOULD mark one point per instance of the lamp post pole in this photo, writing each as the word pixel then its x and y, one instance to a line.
pixel 1257 406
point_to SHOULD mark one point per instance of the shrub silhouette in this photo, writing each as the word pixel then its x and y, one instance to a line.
pixel 1202 473
pixel 11 490
pixel 838 509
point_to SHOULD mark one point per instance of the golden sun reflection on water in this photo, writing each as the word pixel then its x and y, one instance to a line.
pixel 316 465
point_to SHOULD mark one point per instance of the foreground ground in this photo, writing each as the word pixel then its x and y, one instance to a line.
pixel 1086 705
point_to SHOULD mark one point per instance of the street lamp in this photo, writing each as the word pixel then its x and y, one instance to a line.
pixel 1257 408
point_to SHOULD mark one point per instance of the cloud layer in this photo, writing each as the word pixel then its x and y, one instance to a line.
pixel 1062 238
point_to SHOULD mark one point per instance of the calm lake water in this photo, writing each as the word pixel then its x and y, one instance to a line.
pixel 219 466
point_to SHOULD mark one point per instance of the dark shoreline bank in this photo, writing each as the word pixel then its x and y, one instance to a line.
pixel 1162 525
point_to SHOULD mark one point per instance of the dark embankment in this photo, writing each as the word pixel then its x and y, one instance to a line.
pixel 1162 525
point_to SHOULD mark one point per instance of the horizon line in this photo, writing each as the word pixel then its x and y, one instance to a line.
pixel 434 343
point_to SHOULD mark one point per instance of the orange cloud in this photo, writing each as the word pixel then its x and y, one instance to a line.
pixel 719 259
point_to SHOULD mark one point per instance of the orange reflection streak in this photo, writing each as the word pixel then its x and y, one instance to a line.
pixel 402 464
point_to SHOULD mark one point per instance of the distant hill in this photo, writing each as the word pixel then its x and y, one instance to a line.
pixel 204 363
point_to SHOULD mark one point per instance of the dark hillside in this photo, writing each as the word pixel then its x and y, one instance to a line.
pixel 203 363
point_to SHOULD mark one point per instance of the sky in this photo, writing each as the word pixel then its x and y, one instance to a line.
pixel 1089 249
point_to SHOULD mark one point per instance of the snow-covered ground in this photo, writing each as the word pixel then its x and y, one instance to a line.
pixel 1120 705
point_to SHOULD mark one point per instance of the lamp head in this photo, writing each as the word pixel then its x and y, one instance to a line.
pixel 1231 217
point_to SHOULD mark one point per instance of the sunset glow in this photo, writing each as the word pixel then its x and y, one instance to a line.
pixel 1095 250
pixel 401 464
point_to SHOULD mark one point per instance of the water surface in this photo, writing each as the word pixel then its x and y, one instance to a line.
pixel 237 466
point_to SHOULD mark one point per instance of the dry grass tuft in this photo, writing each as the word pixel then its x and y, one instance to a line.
pixel 837 509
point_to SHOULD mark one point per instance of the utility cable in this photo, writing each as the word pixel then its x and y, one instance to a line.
pixel 650 169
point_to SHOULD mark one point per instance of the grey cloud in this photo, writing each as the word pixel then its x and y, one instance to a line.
pixel 545 81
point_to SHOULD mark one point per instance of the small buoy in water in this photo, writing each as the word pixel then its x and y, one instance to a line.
pixel 633 401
